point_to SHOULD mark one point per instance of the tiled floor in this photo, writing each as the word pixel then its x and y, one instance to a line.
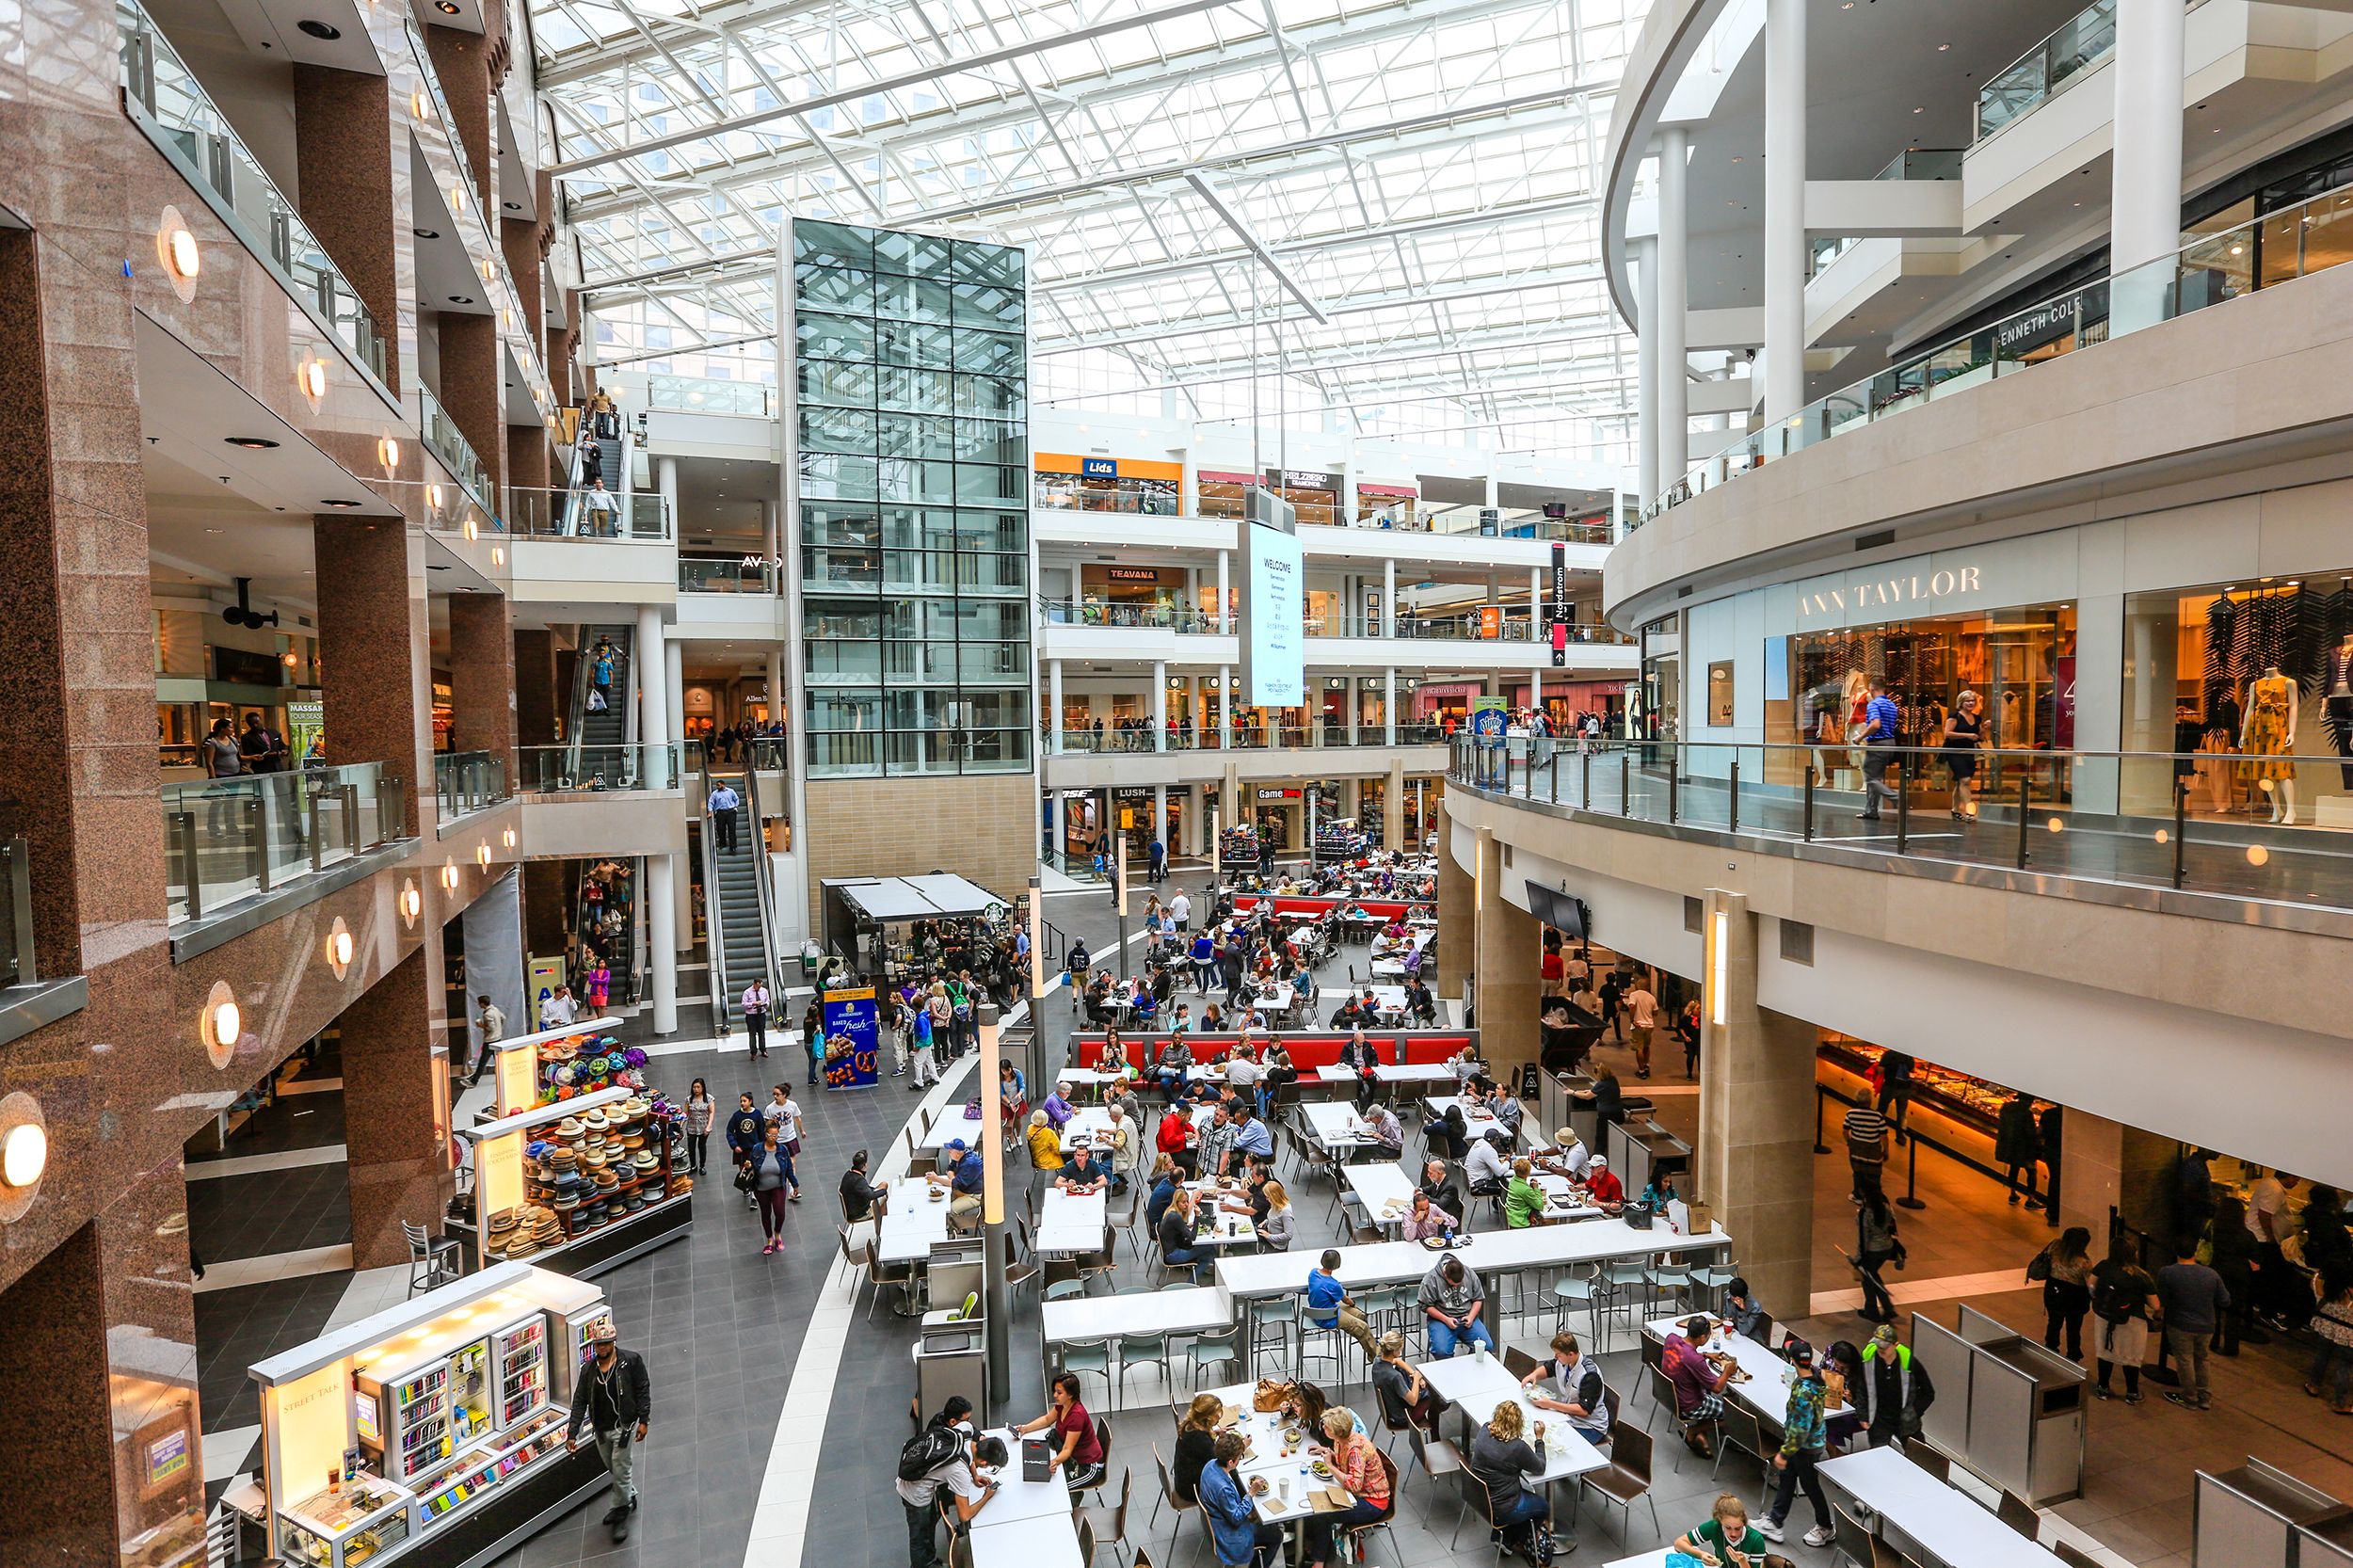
pixel 270 1211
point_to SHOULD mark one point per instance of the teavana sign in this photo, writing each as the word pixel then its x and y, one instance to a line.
pixel 1887 593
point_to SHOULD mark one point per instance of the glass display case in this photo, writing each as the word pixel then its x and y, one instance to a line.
pixel 347 1523
pixel 521 1353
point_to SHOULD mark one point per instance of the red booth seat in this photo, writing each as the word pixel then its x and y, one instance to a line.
pixel 1309 1049
pixel 1386 910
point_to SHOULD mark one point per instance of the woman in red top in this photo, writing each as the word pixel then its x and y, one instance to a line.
pixel 1175 1138
pixel 1078 1448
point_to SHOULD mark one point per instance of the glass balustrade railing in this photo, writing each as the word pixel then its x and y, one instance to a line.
pixel 1114 741
pixel 2074 47
pixel 585 768
pixel 1923 163
pixel 163 99
pixel 702 395
pixel 448 444
pixel 465 782
pixel 2313 235
pixel 1113 612
pixel 1497 522
pixel 2148 819
pixel 1141 498
pixel 16 915
pixel 638 516
pixel 725 574
pixel 227 839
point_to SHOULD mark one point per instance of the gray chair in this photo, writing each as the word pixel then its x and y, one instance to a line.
pixel 1178 1505
pixel 1141 1349
pixel 1221 1349
pixel 1281 1314
pixel 1627 1479
pixel 433 1262
pixel 1087 1355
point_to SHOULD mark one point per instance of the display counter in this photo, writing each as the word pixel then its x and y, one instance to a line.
pixel 522 1067
pixel 1973 1103
pixel 580 1185
pixel 436 1424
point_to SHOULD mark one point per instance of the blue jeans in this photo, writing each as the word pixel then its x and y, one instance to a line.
pixel 1526 1508
pixel 1444 1338
pixel 1187 1255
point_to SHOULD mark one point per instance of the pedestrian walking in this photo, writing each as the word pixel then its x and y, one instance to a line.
pixel 2064 1267
pixel 723 802
pixel 1803 1445
pixel 1157 852
pixel 701 1110
pixel 2193 1299
pixel 490 1025
pixel 767 1175
pixel 813 1039
pixel 756 1003
pixel 614 1399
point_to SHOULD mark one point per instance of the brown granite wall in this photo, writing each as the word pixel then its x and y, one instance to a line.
pixel 395 1043
pixel 57 1493
pixel 373 664
pixel 535 703
pixel 474 383
pixel 482 676
pixel 344 134
pixel 530 464
pixel 462 60
pixel 975 826
pixel 547 905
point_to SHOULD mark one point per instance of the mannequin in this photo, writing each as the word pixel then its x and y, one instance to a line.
pixel 2337 696
pixel 2268 732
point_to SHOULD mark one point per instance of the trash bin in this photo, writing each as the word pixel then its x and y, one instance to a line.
pixel 811 956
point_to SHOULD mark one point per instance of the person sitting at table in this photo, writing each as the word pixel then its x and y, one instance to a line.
pixel 1439 1187
pixel 1411 961
pixel 1274 1219
pixel 1362 1057
pixel 1045 1149
pixel 1304 989
pixel 1280 1073
pixel 1111 1055
pixel 964 1205
pixel 1727 1536
pixel 1175 1138
pixel 1603 1185
pixel 1057 1106
pixel 1660 1192
pixel 1213 1021
pixel 1582 1395
pixel 1483 1167
pixel 1386 1131
pixel 1175 1235
pixel 1170 1066
pixel 1079 1454
pixel 1406 1397
pixel 1349 1014
pixel 1242 1538
pixel 1356 1469
pixel 1503 1460
pixel 1161 1190
pixel 1142 1003
pixel 1505 1106
pixel 1216 1148
pixel 1569 1155
pixel 1197 1446
pixel 1449 1133
pixel 1181 1025
pixel 1464 1064
pixel 1330 1305
pixel 1699 1387
pixel 1425 1218
pixel 1523 1200
pixel 1452 1299
pixel 860 1198
pixel 1083 1176
pixel 1608 1098
pixel 1119 1143
pixel 1102 1010
pixel 1243 1075
pixel 1251 1135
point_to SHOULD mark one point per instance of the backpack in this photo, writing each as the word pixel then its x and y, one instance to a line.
pixel 2111 1302
pixel 927 1450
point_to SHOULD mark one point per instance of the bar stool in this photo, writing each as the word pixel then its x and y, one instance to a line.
pixel 1279 1314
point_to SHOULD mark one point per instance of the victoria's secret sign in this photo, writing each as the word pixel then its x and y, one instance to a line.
pixel 1888 592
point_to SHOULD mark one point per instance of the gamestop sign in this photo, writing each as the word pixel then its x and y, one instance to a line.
pixel 1273 650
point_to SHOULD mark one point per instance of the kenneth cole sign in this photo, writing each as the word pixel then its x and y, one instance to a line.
pixel 1892 592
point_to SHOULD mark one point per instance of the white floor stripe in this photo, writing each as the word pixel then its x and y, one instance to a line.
pixel 1907 1293
pixel 231 1272
pixel 227 1452
pixel 780 1518
pixel 254 1164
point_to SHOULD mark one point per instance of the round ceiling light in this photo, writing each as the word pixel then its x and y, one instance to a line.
pixel 250 443
pixel 312 377
pixel 177 250
pixel 411 902
pixel 388 453
pixel 221 1024
pixel 426 233
pixel 322 30
pixel 23 1154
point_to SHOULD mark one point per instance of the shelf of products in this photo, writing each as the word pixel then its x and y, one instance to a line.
pixel 1974 1103
pixel 523 1359
pixel 347 1525
pixel 586 1172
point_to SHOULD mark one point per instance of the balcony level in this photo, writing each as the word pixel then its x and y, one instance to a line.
pixel 1265 755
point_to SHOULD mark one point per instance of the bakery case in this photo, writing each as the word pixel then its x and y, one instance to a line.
pixel 439 1423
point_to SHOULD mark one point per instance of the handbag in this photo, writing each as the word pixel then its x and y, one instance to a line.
pixel 2040 1268
pixel 1272 1395
pixel 744 1179
pixel 1636 1215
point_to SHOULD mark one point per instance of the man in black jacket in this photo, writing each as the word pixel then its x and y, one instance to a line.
pixel 615 1399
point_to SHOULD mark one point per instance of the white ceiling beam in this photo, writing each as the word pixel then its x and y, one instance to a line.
pixel 1257 248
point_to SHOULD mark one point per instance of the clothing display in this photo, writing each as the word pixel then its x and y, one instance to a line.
pixel 2270 719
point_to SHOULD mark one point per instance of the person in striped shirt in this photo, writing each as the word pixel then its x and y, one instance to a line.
pixel 1867 1147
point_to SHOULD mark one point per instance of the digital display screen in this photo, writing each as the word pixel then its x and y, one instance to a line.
pixel 1274 645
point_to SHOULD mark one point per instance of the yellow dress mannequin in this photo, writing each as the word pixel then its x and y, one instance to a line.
pixel 2268 732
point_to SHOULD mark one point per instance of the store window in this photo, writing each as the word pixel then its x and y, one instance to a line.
pixel 1067 483
pixel 1222 495
pixel 1131 596
pixel 1662 678
pixel 2254 669
pixel 1387 507
pixel 1316 496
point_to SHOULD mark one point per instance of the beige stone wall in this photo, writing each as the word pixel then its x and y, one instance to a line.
pixel 984 827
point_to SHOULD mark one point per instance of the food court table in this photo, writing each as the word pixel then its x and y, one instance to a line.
pixel 1266 1461
pixel 1477 1120
pixel 1485 1385
pixel 1381 1186
pixel 1028 1524
pixel 1069 1222
pixel 1198 1309
pixel 914 1222
pixel 1766 1390
pixel 1410 1072
pixel 1913 1506
pixel 1490 1252
pixel 1336 1124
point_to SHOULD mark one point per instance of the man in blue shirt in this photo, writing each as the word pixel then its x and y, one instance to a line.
pixel 722 803
pixel 964 1205
pixel 1243 1540
pixel 1253 1138
pixel 1330 1305
pixel 1881 724
pixel 1159 853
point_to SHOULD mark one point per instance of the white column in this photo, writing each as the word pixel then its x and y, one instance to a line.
pixel 2146 175
pixel 776 682
pixel 1646 368
pixel 1355 701
pixel 1674 300
pixel 1192 709
pixel 654 693
pixel 1160 714
pixel 1224 573
pixel 661 916
pixel 1388 595
pixel 1785 207
pixel 1053 823
pixel 1053 702
pixel 1224 686
pixel 674 688
pixel 772 545
pixel 1388 704
pixel 1536 689
pixel 1536 603
pixel 1188 485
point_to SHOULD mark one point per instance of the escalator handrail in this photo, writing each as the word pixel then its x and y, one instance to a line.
pixel 714 939
pixel 578 722
pixel 760 873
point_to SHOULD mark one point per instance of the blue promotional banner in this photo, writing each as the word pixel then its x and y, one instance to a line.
pixel 852 1028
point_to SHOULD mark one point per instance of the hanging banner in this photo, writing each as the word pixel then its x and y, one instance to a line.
pixel 853 1038
pixel 1561 609
pixel 1273 655
pixel 1489 719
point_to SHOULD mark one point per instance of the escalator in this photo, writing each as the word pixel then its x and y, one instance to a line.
pixel 601 745
pixel 735 902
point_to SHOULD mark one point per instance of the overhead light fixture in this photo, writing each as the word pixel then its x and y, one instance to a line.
pixel 175 244
pixel 458 200
pixel 482 856
pixel 461 300
pixel 498 555
pixel 473 533
pixel 489 270
pixel 419 104
pixel 447 8
pixel 221 1024
pixel 426 233
pixel 24 1156
pixel 411 902
pixel 339 946
pixel 449 875
pixel 508 838
pixel 250 443
pixel 317 29
pixel 1719 966
pixel 338 504
pixel 433 497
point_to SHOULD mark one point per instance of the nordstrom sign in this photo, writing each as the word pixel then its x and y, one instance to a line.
pixel 1887 593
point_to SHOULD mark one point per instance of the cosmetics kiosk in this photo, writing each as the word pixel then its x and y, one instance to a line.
pixel 440 1422
pixel 582 1185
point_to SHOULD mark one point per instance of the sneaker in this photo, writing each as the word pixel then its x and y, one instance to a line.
pixel 2174 1396
pixel 617 1513
pixel 1818 1536
pixel 2135 1396
pixel 1771 1531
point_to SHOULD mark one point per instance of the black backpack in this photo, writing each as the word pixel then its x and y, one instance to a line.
pixel 927 1450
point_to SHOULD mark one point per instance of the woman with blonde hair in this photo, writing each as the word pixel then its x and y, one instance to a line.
pixel 1503 1460
pixel 1196 1443
pixel 1357 1465
pixel 1045 1149
pixel 1965 731
pixel 1275 1230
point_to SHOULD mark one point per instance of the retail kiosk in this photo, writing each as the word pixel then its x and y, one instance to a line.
pixel 582 1185
pixel 440 1422
pixel 516 1071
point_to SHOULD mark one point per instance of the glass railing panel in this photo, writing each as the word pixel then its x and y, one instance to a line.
pixel 584 769
pixel 730 574
pixel 702 395
pixel 465 782
pixel 231 838
pixel 448 444
pixel 639 515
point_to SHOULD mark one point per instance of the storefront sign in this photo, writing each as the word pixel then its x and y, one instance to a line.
pixel 1101 468
pixel 2047 323
pixel 1303 479
pixel 1491 621
pixel 1560 609
pixel 1278 795
pixel 1863 592
pixel 851 1039
pixel 1131 575
pixel 167 1458
pixel 1389 493
pixel 1214 476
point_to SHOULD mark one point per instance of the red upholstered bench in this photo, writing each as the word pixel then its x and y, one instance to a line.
pixel 1386 910
pixel 1309 1049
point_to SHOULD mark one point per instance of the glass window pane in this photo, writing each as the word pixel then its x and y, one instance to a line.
pixel 833 476
pixel 923 345
pixel 838 525
pixel 914 300
pixel 991 397
pixel 992 441
pixel 846 291
pixel 838 430
pixel 857 567
pixel 919 391
pixel 839 755
pixel 987 482
pixel 977 262
pixel 837 659
pixel 1004 531
pixel 918 570
pixel 830 381
pixel 917 436
pixel 990 353
pixel 993 574
pixel 919 528
pixel 911 255
pixel 819 243
pixel 985 305
pixel 904 479
pixel 829 337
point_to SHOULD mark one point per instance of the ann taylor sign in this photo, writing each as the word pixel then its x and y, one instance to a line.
pixel 1892 594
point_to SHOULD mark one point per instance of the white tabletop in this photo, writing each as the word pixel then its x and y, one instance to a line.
pixel 1232 1230
pixel 1018 1501
pixel 1950 1524
pixel 1648 1559
pixel 1070 1222
pixel 1047 1541
pixel 948 1122
pixel 1380 1186
pixel 1411 1072
pixel 1489 1252
pixel 1562 1450
pixel 1265 1457
pixel 1336 1124
pixel 1458 1377
pixel 1766 1391
pixel 1087 1125
pixel 1190 1311
pixel 913 1224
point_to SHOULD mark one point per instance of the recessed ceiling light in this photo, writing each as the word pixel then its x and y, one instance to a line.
pixel 426 233
pixel 512 207
pixel 216 530
pixel 1942 47
pixel 320 29
pixel 252 443
pixel 1921 109
pixel 339 504
pixel 447 8
pixel 461 300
